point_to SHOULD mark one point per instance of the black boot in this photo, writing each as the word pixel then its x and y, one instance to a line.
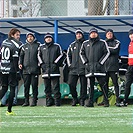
pixel 90 104
pixel 57 102
pixel 106 104
pixel 49 102
pixel 74 101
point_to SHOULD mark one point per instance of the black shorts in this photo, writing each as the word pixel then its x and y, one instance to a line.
pixel 9 79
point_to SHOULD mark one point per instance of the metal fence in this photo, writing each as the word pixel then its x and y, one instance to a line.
pixel 34 8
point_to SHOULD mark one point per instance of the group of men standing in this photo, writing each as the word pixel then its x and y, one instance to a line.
pixel 87 60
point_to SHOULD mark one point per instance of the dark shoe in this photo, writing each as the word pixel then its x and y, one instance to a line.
pixel 82 102
pixel 49 102
pixel 90 104
pixel 118 105
pixel 33 104
pixel 57 102
pixel 74 101
pixel 25 104
pixel 1 105
pixel 106 104
pixel 124 104
pixel 101 104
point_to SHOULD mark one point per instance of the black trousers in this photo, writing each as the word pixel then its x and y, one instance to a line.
pixel 72 84
pixel 11 81
pixel 114 77
pixel 52 86
pixel 30 79
pixel 103 85
pixel 129 81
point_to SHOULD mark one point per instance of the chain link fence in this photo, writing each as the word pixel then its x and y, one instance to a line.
pixel 34 8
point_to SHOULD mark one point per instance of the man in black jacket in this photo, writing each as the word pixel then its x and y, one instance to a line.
pixel 77 69
pixel 49 57
pixel 29 66
pixel 112 63
pixel 94 52
pixel 9 66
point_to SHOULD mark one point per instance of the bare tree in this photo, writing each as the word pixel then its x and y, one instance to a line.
pixel 116 7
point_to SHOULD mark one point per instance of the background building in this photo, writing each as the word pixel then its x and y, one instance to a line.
pixel 34 8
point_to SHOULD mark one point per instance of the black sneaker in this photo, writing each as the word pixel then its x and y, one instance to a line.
pixel 90 104
pixel 57 102
pixel 106 104
pixel 49 102
pixel 118 104
pixel 124 104
pixel 25 105
pixel 74 101
pixel 82 102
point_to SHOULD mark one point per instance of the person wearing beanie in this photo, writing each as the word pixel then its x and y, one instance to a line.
pixel 77 69
pixel 94 52
pixel 129 73
pixel 49 55
pixel 112 63
pixel 29 66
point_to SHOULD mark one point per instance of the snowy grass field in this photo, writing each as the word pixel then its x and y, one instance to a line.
pixel 67 119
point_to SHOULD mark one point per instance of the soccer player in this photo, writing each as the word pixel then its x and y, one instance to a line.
pixel 129 73
pixel 9 66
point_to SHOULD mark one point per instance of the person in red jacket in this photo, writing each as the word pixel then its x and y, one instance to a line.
pixel 129 73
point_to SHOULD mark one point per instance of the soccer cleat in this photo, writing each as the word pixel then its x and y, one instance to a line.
pixel 10 113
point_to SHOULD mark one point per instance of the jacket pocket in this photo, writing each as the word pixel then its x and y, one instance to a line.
pixel 54 67
pixel 43 66
pixel 87 67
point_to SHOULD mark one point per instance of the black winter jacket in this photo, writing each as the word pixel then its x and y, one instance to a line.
pixel 112 63
pixel 28 58
pixel 73 58
pixel 94 53
pixel 49 56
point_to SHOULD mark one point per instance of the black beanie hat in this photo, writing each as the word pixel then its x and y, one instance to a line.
pixel 79 31
pixel 30 33
pixel 109 30
pixel 48 35
pixel 93 30
pixel 130 32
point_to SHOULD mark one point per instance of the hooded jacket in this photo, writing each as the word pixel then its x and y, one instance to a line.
pixel 112 63
pixel 28 58
pixel 75 64
pixel 49 54
pixel 94 53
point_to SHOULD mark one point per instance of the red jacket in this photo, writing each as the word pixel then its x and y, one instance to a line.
pixel 130 54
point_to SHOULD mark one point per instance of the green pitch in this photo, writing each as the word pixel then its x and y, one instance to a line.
pixel 67 119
